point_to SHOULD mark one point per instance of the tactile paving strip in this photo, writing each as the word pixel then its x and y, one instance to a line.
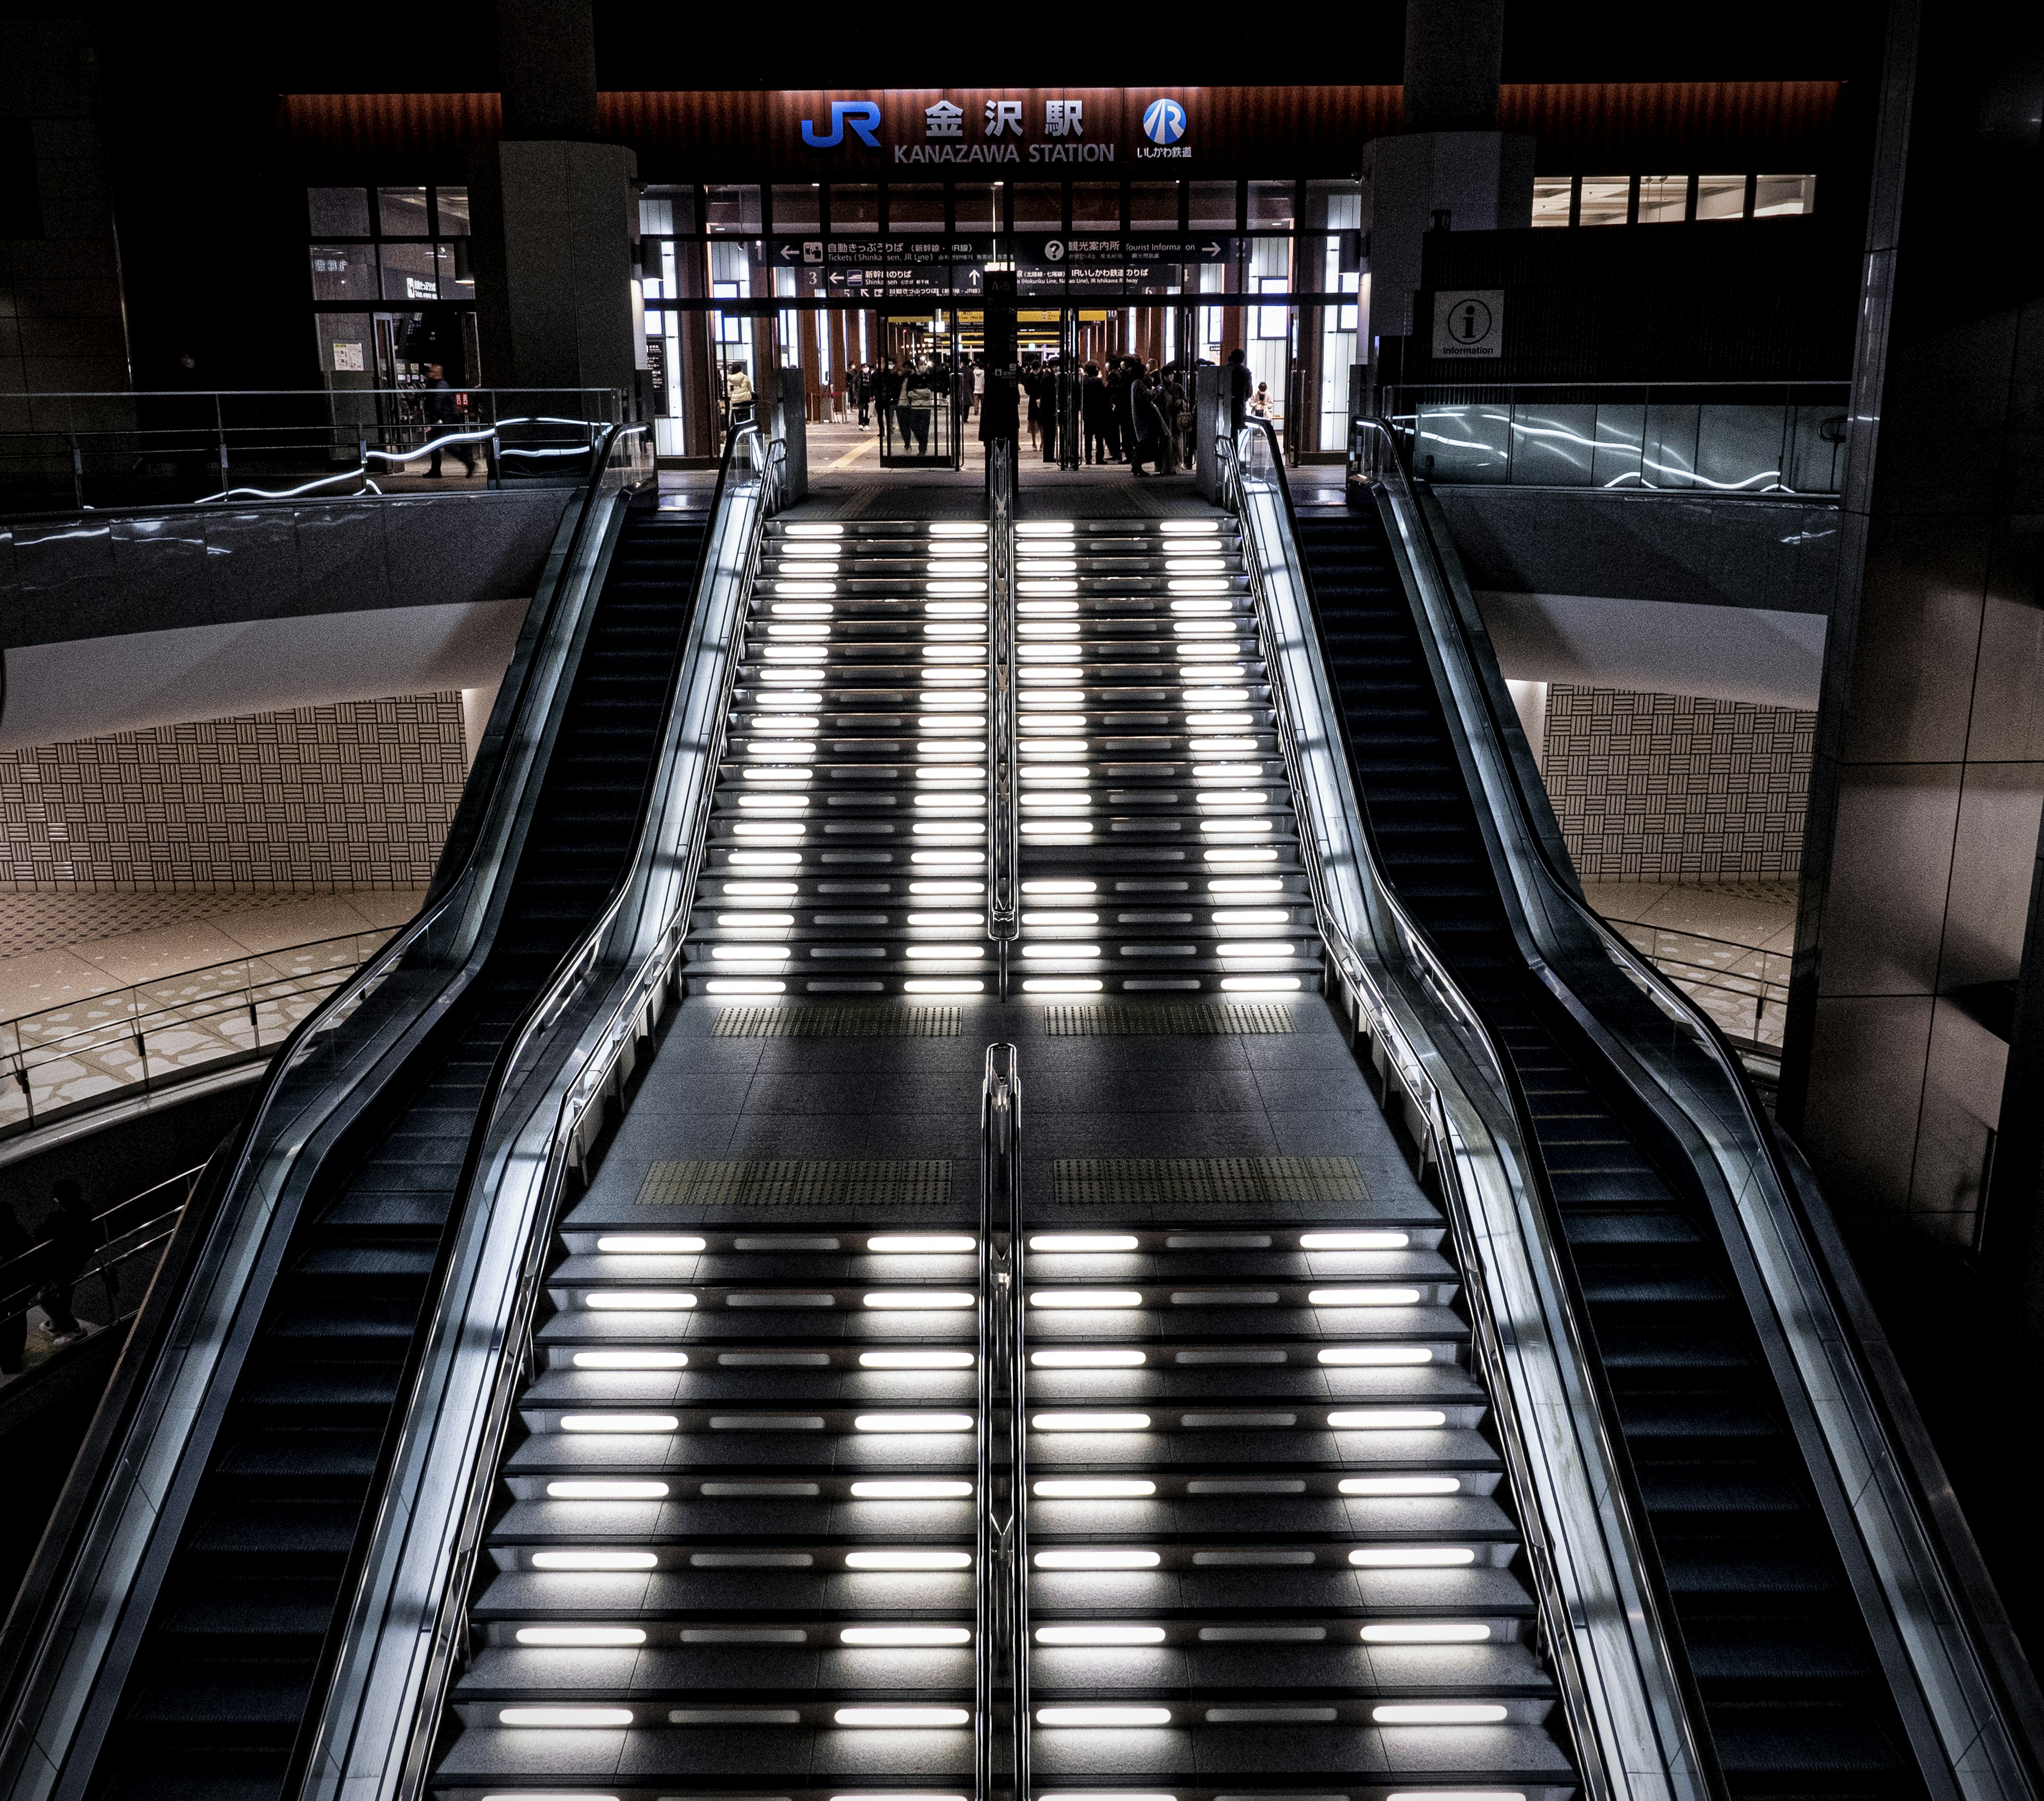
pixel 790 1182
pixel 1164 1019
pixel 874 1019
pixel 1194 1181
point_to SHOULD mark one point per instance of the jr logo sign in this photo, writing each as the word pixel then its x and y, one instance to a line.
pixel 863 116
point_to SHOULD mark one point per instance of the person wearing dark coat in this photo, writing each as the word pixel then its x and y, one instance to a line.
pixel 72 1236
pixel 1146 419
pixel 1096 414
pixel 1118 432
pixel 1236 386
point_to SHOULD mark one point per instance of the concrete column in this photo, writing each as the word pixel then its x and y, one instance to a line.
pixel 1451 157
pixel 1929 765
pixel 1918 954
pixel 1529 701
pixel 476 706
pixel 553 214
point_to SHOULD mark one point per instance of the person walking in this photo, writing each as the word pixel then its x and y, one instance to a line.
pixel 862 393
pixel 1095 412
pixel 442 416
pixel 14 1297
pixel 71 1235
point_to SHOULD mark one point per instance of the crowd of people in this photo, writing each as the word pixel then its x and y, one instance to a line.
pixel 1129 412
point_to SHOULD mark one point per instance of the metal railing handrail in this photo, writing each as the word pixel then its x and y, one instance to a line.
pixel 13 1022
pixel 1004 830
pixel 1631 1741
pixel 1000 1568
pixel 1857 1420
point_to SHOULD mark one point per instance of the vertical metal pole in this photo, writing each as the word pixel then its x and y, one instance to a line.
pixel 1003 828
pixel 77 472
pixel 1001 1660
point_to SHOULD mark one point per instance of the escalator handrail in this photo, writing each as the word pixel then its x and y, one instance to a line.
pixel 382 1712
pixel 1945 1578
pixel 473 864
pixel 1001 1568
pixel 1687 1766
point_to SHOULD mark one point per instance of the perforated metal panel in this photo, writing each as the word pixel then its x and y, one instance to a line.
pixel 794 1182
pixel 829 1019
pixel 1209 1181
pixel 1164 1019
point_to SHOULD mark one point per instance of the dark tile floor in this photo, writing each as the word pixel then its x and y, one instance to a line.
pixel 1299 1094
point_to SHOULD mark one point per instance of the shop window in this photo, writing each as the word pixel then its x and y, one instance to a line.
pixel 855 209
pixel 1663 199
pixel 403 212
pixel 795 207
pixel 1607 200
pixel 734 211
pixel 1779 197
pixel 1271 205
pixel 344 271
pixel 1153 206
pixel 410 272
pixel 451 209
pixel 1721 196
pixel 1212 205
pixel 1097 205
pixel 915 207
pixel 1552 198
pixel 1040 205
pixel 339 212
pixel 978 204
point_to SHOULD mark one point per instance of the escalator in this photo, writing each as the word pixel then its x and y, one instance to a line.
pixel 240 1634
pixel 1787 1681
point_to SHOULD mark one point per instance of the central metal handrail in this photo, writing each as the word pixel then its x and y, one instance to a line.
pixel 1003 828
pixel 1001 1643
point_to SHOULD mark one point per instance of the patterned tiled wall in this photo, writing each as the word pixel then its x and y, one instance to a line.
pixel 1668 787
pixel 358 795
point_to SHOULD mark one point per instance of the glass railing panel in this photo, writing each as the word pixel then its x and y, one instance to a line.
pixel 1553 444
pixel 1471 443
pixel 1621 442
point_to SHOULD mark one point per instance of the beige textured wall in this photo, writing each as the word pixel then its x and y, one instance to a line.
pixel 356 795
pixel 1670 787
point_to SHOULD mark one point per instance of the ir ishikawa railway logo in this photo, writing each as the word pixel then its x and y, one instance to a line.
pixel 1164 121
pixel 1164 124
